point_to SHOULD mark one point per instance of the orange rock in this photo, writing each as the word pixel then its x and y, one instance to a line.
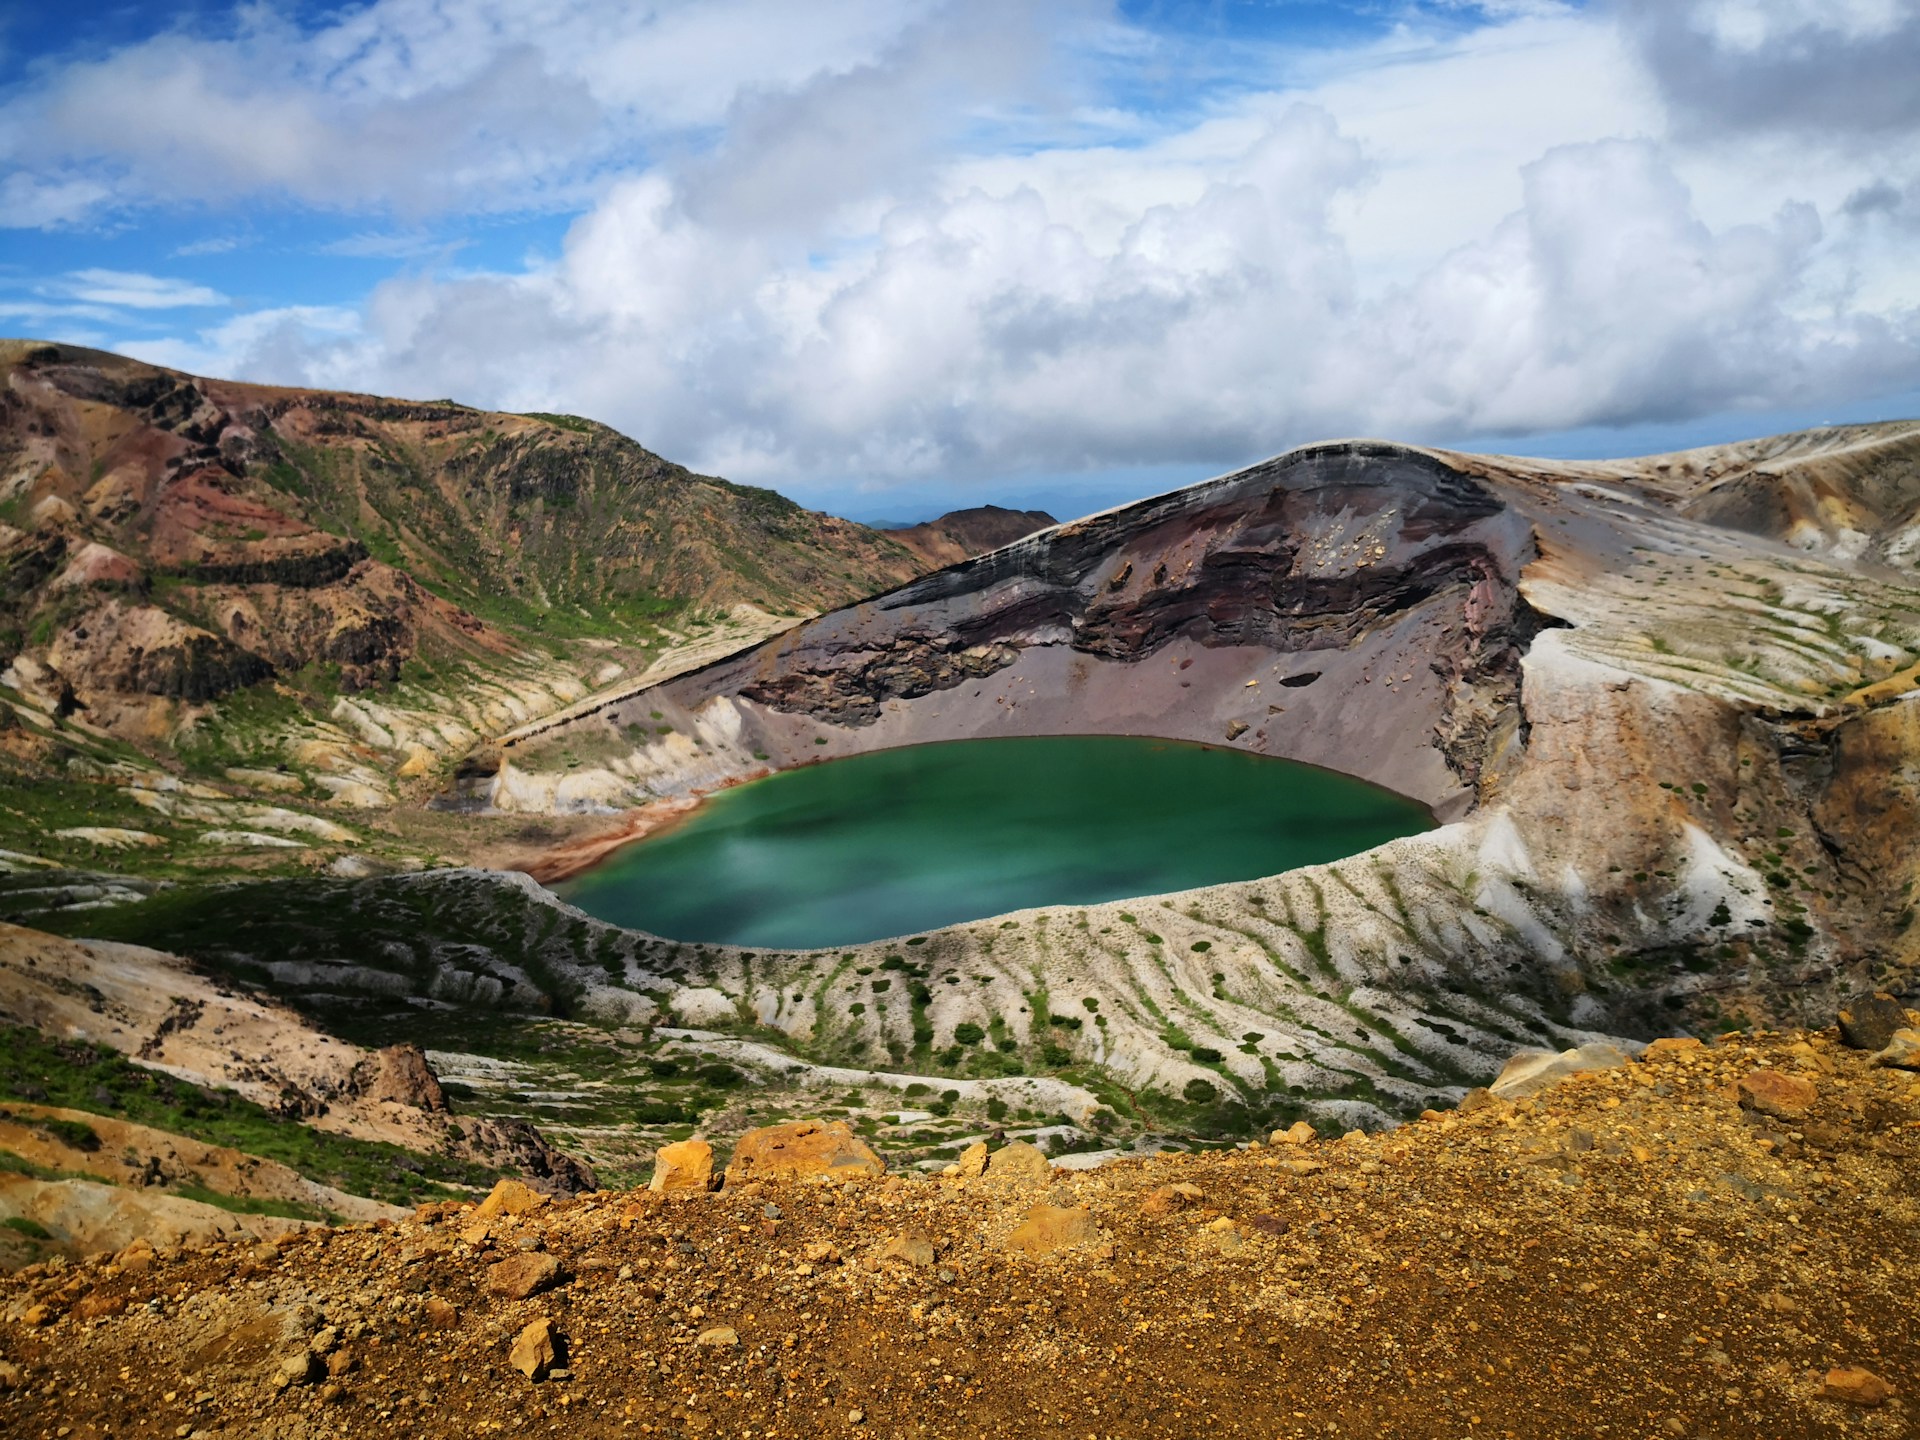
pixel 441 1315
pixel 1855 1386
pixel 535 1349
pixel 97 1306
pixel 801 1149
pixel 519 1276
pixel 1785 1097
pixel 684 1165
pixel 1169 1198
pixel 509 1197
pixel 1054 1227
pixel 1670 1044
pixel 1298 1133
pixel 912 1248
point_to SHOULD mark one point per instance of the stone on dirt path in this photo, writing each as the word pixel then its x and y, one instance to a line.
pixel 1019 1164
pixel 1054 1227
pixel 912 1248
pixel 1168 1198
pixel 1854 1386
pixel 1902 1052
pixel 509 1197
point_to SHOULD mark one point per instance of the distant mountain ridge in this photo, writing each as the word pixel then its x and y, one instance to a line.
pixel 962 534
pixel 171 536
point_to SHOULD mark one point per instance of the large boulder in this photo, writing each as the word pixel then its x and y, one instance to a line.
pixel 683 1165
pixel 801 1149
pixel 401 1074
pixel 1868 1022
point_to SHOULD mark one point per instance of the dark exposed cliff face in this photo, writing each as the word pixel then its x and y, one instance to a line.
pixel 196 667
pixel 910 666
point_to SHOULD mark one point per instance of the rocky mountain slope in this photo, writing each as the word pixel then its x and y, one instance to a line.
pixel 305 602
pixel 286 528
pixel 1711 1240
pixel 963 534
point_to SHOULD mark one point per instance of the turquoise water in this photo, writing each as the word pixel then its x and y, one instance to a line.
pixel 899 841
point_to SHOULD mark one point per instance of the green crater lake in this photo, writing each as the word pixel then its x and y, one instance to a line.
pixel 899 841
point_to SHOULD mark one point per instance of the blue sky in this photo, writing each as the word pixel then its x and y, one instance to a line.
pixel 895 255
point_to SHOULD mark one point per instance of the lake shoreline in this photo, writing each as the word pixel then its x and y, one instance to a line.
pixel 566 859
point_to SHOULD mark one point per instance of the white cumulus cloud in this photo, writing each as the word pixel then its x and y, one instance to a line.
pixel 906 253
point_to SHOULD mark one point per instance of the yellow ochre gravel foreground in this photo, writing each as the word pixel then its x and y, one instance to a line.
pixel 1712 1240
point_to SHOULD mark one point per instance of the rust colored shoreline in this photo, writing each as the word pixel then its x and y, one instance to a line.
pixel 573 856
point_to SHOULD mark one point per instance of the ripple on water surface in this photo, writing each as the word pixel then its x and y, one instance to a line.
pixel 899 841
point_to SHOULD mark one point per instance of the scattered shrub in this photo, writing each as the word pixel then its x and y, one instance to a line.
pixel 76 1134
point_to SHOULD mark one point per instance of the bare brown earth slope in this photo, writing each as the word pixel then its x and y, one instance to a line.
pixel 1713 1241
